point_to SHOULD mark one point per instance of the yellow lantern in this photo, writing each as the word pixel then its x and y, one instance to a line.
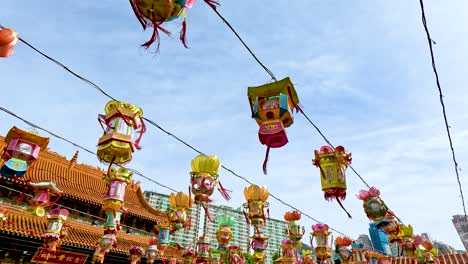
pixel 332 164
pixel 294 230
pixel 179 213
pixel 256 198
pixel 119 123
pixel 204 178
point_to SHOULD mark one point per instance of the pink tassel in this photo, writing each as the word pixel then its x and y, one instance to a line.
pixel 183 32
pixel 246 217
pixel 207 212
pixel 212 3
pixel 155 35
pixel 224 192
pixel 265 162
pixel 141 132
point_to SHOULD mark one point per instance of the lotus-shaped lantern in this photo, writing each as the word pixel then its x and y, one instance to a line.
pixel 179 213
pixel 294 230
pixel 224 232
pixel 256 202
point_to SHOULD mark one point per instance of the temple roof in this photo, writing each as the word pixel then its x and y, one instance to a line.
pixel 79 234
pixel 85 183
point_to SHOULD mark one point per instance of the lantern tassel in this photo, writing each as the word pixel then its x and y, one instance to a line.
pixel 183 32
pixel 342 207
pixel 224 192
pixel 246 217
pixel 139 15
pixel 207 213
pixel 212 3
pixel 190 196
pixel 268 212
pixel 295 106
pixel 155 35
pixel 141 132
pixel 265 162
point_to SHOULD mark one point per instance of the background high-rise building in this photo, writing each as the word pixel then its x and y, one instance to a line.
pixel 274 229
pixel 379 240
pixel 364 241
pixel 444 248
pixel 240 230
pixel 184 237
pixel 461 225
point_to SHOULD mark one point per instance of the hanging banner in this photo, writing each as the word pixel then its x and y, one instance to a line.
pixel 63 257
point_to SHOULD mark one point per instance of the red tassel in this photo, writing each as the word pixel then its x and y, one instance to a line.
pixel 212 3
pixel 139 15
pixel 265 162
pixel 190 196
pixel 155 35
pixel 207 213
pixel 342 207
pixel 224 192
pixel 183 31
pixel 268 212
pixel 295 106
pixel 246 217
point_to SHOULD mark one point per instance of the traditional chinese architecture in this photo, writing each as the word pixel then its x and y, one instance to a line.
pixel 83 190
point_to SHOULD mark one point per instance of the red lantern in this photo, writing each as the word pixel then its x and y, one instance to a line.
pixel 8 40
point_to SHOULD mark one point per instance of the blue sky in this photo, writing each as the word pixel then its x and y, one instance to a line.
pixel 362 71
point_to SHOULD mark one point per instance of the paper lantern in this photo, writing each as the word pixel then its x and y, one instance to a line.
pixel 22 150
pixel 188 255
pixel 55 229
pixel 271 106
pixel 289 253
pixel 374 207
pixel 203 249
pixel 103 247
pixel 163 232
pixel 153 13
pixel 294 231
pixel 342 244
pixel 119 123
pixel 332 164
pixel 204 178
pixel 408 244
pixel 152 251
pixel 307 257
pixel 234 255
pixel 256 198
pixel 321 234
pixel 136 253
pixel 179 212
pixel 43 193
pixel 8 40
pixel 224 232
pixel 259 244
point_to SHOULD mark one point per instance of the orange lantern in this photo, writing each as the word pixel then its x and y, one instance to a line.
pixel 8 40
pixel 342 244
pixel 294 230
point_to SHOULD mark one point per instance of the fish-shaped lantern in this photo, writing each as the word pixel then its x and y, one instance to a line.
pixel 374 207
pixel 272 105
pixel 153 13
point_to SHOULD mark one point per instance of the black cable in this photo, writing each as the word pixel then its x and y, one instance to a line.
pixel 78 146
pixel 441 97
pixel 135 171
pixel 243 43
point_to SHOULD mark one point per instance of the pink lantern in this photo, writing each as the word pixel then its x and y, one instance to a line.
pixel 43 192
pixel 56 229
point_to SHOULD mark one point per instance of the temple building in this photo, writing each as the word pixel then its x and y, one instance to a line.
pixel 82 189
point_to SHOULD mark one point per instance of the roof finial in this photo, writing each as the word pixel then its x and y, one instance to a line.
pixel 74 159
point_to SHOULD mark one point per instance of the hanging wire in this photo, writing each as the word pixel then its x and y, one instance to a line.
pixel 243 43
pixel 79 146
pixel 135 171
pixel 430 41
